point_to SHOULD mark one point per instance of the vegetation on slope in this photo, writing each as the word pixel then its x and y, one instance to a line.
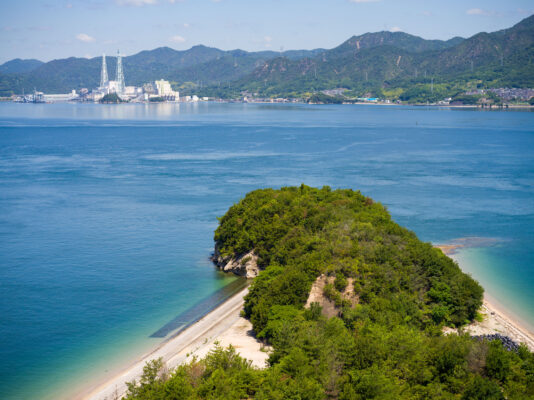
pixel 389 346
pixel 379 62
pixel 373 63
pixel 111 98
pixel 17 66
pixel 198 64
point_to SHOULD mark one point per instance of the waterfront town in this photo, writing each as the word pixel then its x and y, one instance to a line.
pixel 111 91
pixel 156 91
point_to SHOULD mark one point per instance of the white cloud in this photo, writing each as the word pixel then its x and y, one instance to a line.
pixel 177 39
pixel 267 41
pixel 478 11
pixel 135 3
pixel 186 25
pixel 395 29
pixel 84 37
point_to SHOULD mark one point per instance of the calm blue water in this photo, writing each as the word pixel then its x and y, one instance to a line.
pixel 107 212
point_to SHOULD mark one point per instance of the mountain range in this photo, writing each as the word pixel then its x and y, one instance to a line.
pixel 390 64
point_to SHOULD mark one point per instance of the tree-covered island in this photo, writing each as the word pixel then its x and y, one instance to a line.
pixel 111 98
pixel 391 294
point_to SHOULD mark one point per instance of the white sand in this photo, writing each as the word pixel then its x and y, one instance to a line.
pixel 223 324
pixel 496 320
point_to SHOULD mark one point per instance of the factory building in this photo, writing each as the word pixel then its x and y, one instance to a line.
pixel 164 90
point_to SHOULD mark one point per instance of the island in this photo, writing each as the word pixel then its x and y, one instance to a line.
pixel 344 304
pixel 111 98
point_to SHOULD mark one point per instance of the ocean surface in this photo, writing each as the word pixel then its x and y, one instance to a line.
pixel 107 212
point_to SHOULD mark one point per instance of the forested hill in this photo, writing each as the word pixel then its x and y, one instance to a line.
pixel 17 66
pixel 199 64
pixel 384 342
pixel 384 62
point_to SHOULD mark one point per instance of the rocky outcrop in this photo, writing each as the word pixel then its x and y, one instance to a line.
pixel 245 264
pixel 328 306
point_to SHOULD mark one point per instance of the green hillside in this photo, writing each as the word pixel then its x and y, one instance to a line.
pixel 198 64
pixel 388 64
pixel 384 64
pixel 19 66
pixel 386 343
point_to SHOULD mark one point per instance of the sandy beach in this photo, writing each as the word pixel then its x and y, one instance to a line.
pixel 497 321
pixel 223 325
pixel 496 318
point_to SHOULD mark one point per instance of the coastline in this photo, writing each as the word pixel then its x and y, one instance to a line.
pixel 225 326
pixel 222 324
pixel 497 319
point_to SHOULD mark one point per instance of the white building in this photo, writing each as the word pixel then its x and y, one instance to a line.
pixel 52 98
pixel 164 89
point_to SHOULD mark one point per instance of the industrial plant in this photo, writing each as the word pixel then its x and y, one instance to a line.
pixel 156 91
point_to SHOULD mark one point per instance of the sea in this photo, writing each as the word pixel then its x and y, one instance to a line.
pixel 107 213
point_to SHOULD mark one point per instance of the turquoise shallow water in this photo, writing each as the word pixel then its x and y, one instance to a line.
pixel 107 212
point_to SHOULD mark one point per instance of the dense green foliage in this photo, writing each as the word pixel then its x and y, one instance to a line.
pixel 321 98
pixel 111 98
pixel 300 233
pixel 389 346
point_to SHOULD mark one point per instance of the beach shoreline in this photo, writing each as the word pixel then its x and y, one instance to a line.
pixel 223 325
pixel 497 319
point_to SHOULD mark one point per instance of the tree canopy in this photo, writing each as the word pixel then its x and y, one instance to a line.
pixel 389 345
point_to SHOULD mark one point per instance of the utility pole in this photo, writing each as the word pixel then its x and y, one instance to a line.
pixel 432 86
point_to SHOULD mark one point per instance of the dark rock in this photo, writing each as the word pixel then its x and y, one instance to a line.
pixel 507 343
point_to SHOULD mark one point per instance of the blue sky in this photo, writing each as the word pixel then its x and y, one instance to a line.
pixel 49 29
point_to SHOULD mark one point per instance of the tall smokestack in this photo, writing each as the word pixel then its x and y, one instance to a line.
pixel 120 74
pixel 104 72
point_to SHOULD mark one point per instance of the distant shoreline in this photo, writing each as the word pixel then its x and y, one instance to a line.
pixel 224 101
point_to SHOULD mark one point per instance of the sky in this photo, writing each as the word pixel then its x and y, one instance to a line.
pixel 52 29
